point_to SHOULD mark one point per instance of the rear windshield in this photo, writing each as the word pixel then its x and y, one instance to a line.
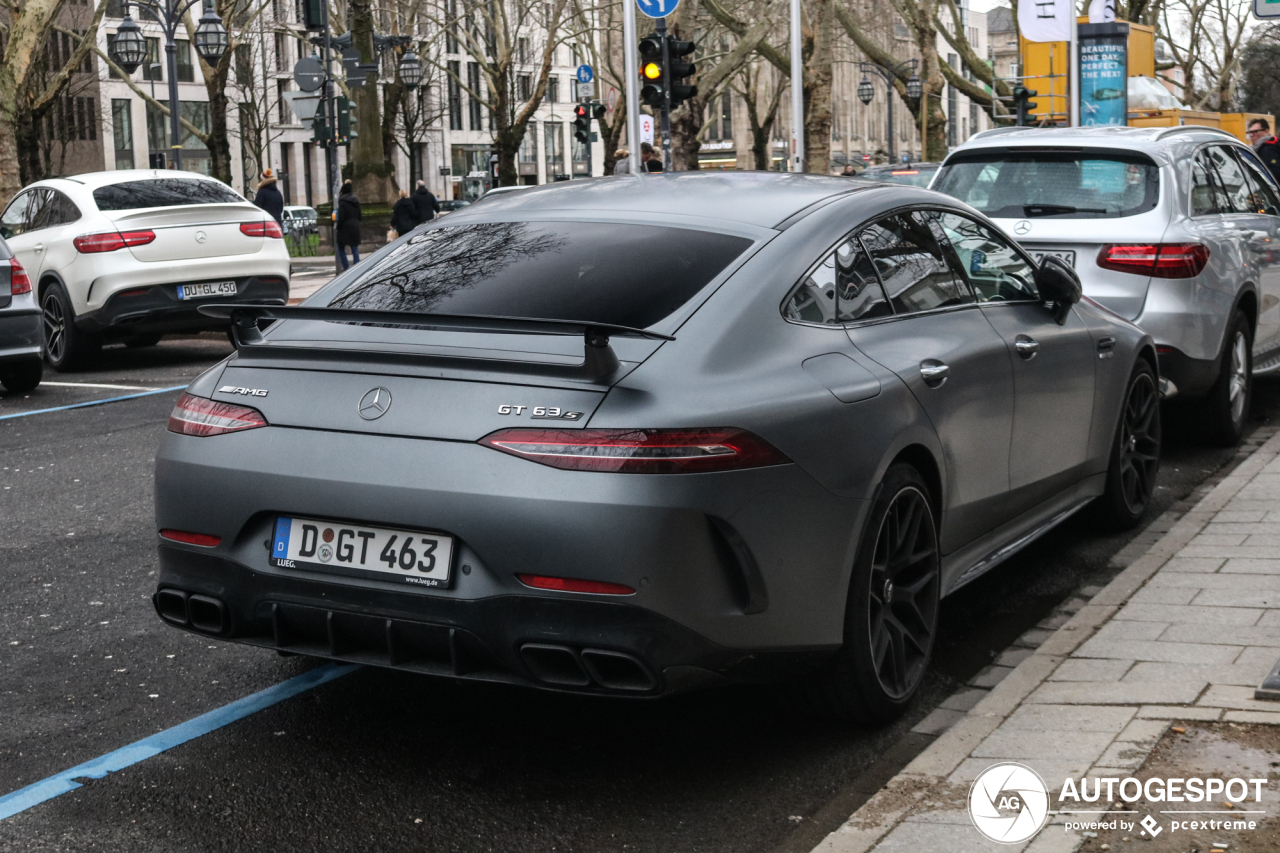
pixel 163 192
pixel 1054 184
pixel 630 275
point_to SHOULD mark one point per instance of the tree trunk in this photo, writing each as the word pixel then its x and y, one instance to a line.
pixel 509 135
pixel 29 24
pixel 393 102
pixel 686 127
pixel 219 144
pixel 817 91
pixel 370 172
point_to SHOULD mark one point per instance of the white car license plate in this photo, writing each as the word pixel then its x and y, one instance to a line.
pixel 214 288
pixel 333 546
pixel 1068 255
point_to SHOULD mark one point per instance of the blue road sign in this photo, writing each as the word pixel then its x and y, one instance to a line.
pixel 657 8
pixel 584 74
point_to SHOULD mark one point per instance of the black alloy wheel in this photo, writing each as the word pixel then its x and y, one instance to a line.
pixel 903 594
pixel 1135 453
pixel 1140 443
pixel 891 613
pixel 65 346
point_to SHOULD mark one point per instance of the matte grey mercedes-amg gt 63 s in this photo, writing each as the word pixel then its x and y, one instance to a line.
pixel 636 435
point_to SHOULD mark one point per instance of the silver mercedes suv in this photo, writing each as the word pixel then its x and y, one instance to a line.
pixel 1176 229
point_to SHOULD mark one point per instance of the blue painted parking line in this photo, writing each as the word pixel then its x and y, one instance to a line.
pixel 58 784
pixel 92 403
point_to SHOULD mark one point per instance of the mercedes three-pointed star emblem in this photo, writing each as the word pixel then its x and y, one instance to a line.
pixel 201 236
pixel 1022 227
pixel 374 404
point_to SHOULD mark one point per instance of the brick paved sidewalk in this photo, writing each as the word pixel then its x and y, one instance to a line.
pixel 1184 633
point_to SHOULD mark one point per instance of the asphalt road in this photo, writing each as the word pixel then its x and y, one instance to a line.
pixel 379 760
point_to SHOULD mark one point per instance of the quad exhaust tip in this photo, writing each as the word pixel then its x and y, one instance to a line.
pixel 202 613
pixel 562 666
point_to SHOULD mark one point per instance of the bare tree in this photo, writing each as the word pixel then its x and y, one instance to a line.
pixel 756 92
pixel 1207 39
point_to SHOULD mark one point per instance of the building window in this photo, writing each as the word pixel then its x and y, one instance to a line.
pixel 122 131
pixel 244 65
pixel 524 86
pixel 282 52
pixel 522 51
pixel 157 137
pixel 553 90
pixel 283 114
pixel 451 30
pixel 186 71
pixel 529 145
pixel 473 83
pixel 455 96
pixel 553 147
pixel 153 68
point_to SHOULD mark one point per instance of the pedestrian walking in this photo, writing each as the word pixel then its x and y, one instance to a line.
pixel 622 161
pixel 649 159
pixel 404 216
pixel 268 197
pixel 1265 145
pixel 347 225
pixel 425 203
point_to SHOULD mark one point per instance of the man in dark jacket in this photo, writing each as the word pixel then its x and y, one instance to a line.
pixel 269 198
pixel 424 202
pixel 347 222
pixel 403 216
pixel 1265 145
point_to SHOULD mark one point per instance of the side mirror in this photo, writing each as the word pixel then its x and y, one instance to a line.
pixel 1058 284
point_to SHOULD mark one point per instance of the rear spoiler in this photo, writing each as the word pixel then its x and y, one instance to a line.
pixel 599 360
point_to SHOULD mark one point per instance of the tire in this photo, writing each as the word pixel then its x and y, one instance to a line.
pixel 22 377
pixel 1135 453
pixel 65 346
pixel 143 341
pixel 1229 399
pixel 896 574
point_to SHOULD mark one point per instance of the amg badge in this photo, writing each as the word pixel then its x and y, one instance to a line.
pixel 251 392
pixel 540 413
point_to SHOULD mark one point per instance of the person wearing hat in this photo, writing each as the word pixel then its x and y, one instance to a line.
pixel 269 198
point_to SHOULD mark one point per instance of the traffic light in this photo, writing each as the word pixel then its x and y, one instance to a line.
pixel 654 89
pixel 313 14
pixel 581 124
pixel 1023 104
pixel 320 133
pixel 597 110
pixel 679 71
pixel 346 111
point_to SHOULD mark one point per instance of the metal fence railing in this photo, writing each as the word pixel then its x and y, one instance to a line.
pixel 302 236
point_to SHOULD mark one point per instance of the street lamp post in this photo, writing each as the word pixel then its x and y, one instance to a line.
pixel 129 49
pixel 866 91
pixel 410 72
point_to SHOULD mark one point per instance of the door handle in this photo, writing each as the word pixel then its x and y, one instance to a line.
pixel 1027 347
pixel 934 372
pixel 38 247
pixel 1106 344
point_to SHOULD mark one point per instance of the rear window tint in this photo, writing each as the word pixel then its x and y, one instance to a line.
pixel 630 275
pixel 163 192
pixel 1052 184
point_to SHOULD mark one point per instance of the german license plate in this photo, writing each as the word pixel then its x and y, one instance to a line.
pixel 211 288
pixel 333 546
pixel 1067 255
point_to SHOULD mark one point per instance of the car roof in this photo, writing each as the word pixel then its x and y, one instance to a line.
pixel 1151 140
pixel 94 180
pixel 763 199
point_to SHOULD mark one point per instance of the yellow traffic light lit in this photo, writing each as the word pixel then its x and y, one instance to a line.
pixel 652 71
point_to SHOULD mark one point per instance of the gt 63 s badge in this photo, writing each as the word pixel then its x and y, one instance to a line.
pixel 539 413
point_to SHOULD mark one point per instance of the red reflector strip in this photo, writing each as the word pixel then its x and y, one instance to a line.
pixel 574 585
pixel 638 451
pixel 19 282
pixel 136 292
pixel 183 536
pixel 199 416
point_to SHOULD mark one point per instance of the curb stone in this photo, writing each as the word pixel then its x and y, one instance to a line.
pixel 924 780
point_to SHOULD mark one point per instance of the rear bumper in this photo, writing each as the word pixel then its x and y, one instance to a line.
pixel 1192 376
pixel 157 308
pixel 728 569
pixel 21 337
pixel 579 646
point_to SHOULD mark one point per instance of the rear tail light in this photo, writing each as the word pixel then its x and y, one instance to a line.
pixel 19 281
pixel 191 538
pixel 200 416
pixel 270 228
pixel 109 241
pixel 574 585
pixel 1162 260
pixel 638 451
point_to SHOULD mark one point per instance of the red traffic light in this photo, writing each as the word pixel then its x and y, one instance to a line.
pixel 580 111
